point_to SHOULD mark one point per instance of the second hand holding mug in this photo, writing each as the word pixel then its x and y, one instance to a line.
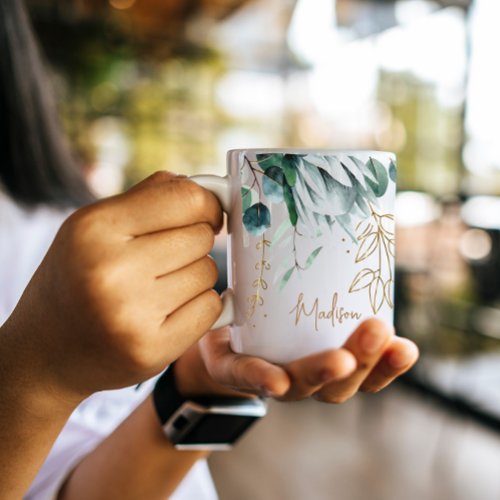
pixel 310 247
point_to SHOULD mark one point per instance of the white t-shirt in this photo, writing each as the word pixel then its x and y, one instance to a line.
pixel 25 236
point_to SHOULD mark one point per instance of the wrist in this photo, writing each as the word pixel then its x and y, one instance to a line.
pixel 28 381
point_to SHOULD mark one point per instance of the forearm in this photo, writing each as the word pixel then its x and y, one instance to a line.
pixel 135 461
pixel 31 415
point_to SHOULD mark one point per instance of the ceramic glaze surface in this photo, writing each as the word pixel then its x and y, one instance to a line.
pixel 310 247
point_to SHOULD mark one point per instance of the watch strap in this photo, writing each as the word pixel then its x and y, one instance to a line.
pixel 167 399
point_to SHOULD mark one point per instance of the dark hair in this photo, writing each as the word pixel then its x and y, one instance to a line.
pixel 36 164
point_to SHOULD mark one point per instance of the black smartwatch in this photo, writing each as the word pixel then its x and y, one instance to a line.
pixel 203 423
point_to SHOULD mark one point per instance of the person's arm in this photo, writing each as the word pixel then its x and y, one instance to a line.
pixel 125 289
pixel 137 461
pixel 31 414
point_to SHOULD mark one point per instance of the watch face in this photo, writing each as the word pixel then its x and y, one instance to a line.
pixel 213 428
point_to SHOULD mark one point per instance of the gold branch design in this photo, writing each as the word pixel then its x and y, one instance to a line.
pixel 376 234
pixel 260 283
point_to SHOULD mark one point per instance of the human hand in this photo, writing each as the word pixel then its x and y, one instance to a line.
pixel 125 288
pixel 369 361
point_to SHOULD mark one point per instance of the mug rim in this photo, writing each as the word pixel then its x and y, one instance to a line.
pixel 325 151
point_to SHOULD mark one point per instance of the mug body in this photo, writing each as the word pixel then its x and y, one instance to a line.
pixel 310 247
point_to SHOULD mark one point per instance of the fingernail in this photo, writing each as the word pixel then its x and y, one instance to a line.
pixel 403 357
pixel 372 341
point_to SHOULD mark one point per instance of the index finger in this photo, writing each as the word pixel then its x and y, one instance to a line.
pixel 163 201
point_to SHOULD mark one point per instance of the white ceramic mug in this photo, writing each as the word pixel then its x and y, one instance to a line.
pixel 310 247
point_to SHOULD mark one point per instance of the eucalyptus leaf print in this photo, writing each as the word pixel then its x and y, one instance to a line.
pixel 257 219
pixel 392 171
pixel 380 173
pixel 286 277
pixel 246 197
pixel 272 182
pixel 317 192
pixel 311 257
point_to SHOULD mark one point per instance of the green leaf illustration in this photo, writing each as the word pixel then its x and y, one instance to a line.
pixel 286 277
pixel 285 242
pixel 312 177
pixel 267 160
pixel 275 173
pixel 338 171
pixel 272 182
pixel 246 197
pixel 367 173
pixel 346 224
pixel 289 165
pixel 312 257
pixel 362 204
pixel 282 229
pixel 257 219
pixel 393 173
pixel 339 198
pixel 290 204
pixel 272 190
pixel 357 169
pixel 379 171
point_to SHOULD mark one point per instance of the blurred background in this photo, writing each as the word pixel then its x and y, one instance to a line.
pixel 169 84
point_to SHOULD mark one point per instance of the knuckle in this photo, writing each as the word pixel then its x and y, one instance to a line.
pixel 211 273
pixel 160 176
pixel 107 298
pixel 213 303
pixel 81 224
pixel 205 236
pixel 196 196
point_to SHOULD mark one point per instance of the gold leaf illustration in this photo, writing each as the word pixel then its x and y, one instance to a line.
pixel 263 264
pixel 376 294
pixel 368 246
pixel 260 283
pixel 362 280
pixel 262 243
pixel 391 247
pixel 387 224
pixel 364 231
pixel 388 293
pixel 376 233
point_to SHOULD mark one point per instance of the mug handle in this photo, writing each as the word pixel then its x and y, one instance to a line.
pixel 221 188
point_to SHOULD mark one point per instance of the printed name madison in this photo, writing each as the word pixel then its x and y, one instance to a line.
pixel 335 314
